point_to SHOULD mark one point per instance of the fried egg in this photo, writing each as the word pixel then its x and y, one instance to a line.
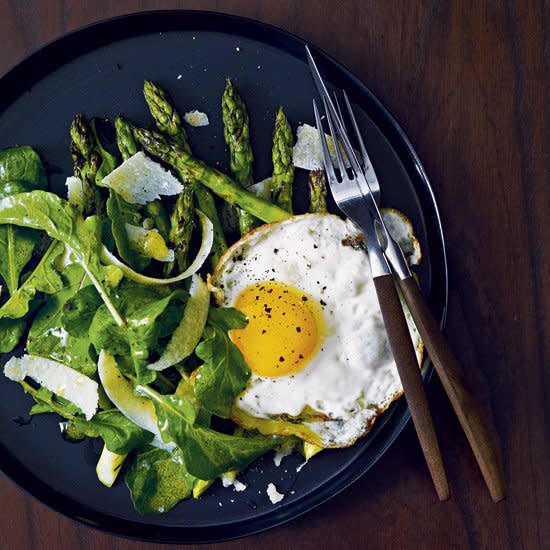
pixel 321 364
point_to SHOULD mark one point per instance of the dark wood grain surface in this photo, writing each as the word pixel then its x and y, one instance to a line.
pixel 470 84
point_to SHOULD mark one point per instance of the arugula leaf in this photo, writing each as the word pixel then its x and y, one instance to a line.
pixel 120 213
pixel 144 331
pixel 61 220
pixel 206 452
pixel 108 162
pixel 44 278
pixel 225 372
pixel 48 402
pixel 11 331
pixel 24 164
pixel 157 480
pixel 20 170
pixel 226 318
pixel 120 434
pixel 79 310
pixel 151 314
pixel 8 188
pixel 16 248
pixel 48 338
pixel 107 335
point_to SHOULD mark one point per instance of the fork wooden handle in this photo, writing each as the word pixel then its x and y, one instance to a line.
pixel 413 386
pixel 450 374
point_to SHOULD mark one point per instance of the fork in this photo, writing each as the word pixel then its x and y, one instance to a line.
pixel 445 363
pixel 363 156
pixel 345 188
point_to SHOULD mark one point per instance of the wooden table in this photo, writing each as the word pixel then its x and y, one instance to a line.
pixel 469 82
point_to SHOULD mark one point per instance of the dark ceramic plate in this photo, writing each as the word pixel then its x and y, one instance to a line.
pixel 100 70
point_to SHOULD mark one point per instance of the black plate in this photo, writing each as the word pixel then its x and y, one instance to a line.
pixel 100 70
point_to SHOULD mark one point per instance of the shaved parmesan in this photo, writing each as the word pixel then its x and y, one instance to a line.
pixel 273 494
pixel 140 180
pixel 207 228
pixel 139 410
pixel 262 189
pixel 230 479
pixel 58 378
pixel 75 191
pixel 188 333
pixel 307 152
pixel 149 243
pixel 196 118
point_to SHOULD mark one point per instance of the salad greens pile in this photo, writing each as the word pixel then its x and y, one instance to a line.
pixel 109 289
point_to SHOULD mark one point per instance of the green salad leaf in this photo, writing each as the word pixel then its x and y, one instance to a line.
pixel 8 188
pixel 22 164
pixel 48 402
pixel 206 452
pixel 145 328
pixel 108 162
pixel 151 314
pixel 61 220
pixel 79 310
pixel 120 213
pixel 44 278
pixel 20 170
pixel 11 331
pixel 158 480
pixel 225 372
pixel 16 248
pixel 120 434
pixel 48 338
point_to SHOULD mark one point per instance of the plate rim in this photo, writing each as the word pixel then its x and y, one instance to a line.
pixel 394 422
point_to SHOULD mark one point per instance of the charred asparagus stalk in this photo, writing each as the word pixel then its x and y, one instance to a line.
pixel 128 147
pixel 317 184
pixel 166 116
pixel 168 121
pixel 236 131
pixel 125 138
pixel 283 169
pixel 191 168
pixel 86 162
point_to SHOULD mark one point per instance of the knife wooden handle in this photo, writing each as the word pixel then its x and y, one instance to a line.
pixel 413 386
pixel 450 374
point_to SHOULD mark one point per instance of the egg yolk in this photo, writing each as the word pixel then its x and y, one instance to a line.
pixel 285 328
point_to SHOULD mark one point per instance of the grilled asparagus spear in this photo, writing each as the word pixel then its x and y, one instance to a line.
pixel 317 184
pixel 168 121
pixel 236 131
pixel 125 138
pixel 128 146
pixel 191 168
pixel 283 169
pixel 166 116
pixel 86 162
pixel 181 225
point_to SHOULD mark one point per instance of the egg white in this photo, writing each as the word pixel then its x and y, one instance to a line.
pixel 352 377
